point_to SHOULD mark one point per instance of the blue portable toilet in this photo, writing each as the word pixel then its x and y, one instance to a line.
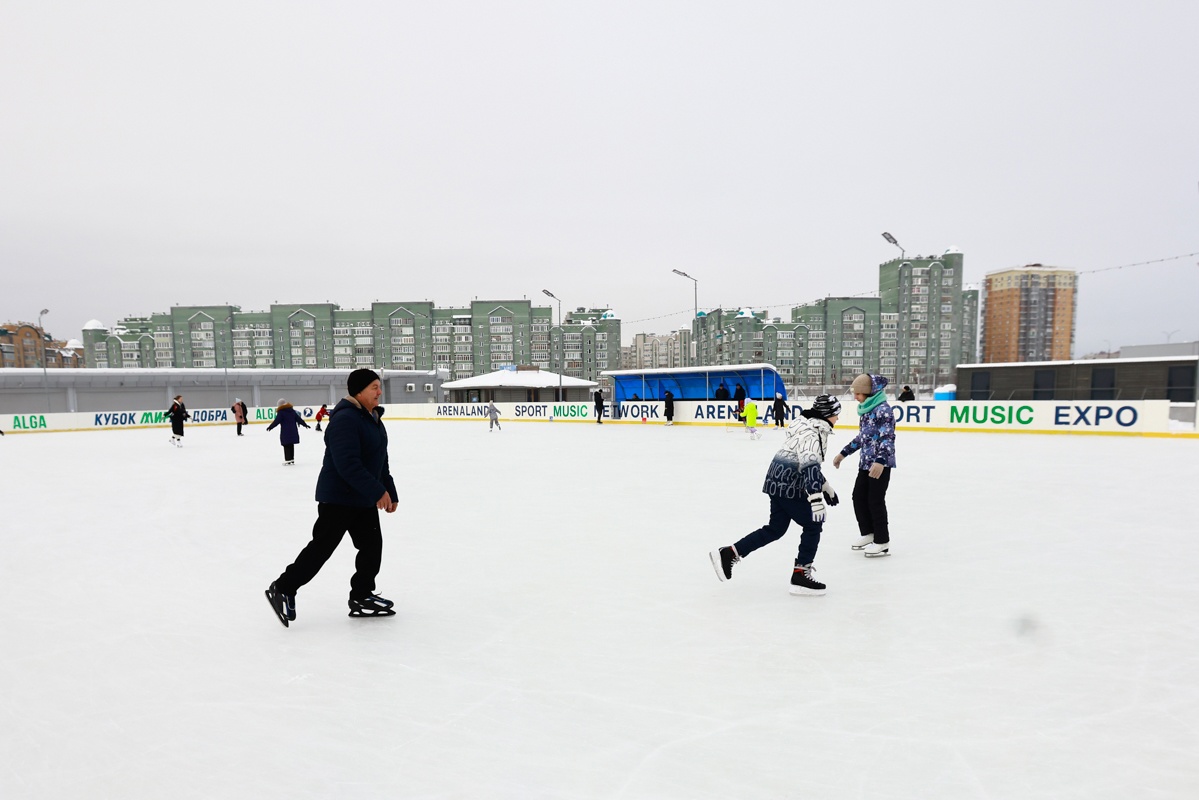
pixel 947 392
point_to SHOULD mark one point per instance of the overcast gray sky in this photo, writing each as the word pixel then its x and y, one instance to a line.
pixel 154 153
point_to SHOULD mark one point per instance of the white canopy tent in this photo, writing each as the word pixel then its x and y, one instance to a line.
pixel 519 386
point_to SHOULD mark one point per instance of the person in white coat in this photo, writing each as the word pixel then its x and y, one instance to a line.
pixel 798 493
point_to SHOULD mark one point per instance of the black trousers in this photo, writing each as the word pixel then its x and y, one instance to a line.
pixel 332 522
pixel 289 452
pixel 870 504
pixel 239 428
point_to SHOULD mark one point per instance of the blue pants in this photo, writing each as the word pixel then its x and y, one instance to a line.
pixel 784 511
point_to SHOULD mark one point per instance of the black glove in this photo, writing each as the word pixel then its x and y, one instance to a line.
pixel 830 495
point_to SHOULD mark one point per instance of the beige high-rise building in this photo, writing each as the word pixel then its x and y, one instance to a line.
pixel 1029 314
pixel 654 351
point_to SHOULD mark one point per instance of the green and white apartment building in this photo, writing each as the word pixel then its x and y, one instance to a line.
pixel 465 341
pixel 917 330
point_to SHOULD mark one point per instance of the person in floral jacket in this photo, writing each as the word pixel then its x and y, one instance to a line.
pixel 876 443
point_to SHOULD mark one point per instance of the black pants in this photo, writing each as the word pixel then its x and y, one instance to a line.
pixel 599 414
pixel 870 504
pixel 239 428
pixel 784 511
pixel 332 523
pixel 289 452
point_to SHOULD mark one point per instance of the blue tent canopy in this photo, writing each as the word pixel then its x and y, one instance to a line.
pixel 760 381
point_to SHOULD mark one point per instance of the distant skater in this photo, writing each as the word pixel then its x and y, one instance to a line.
pixel 288 422
pixel 493 415
pixel 876 441
pixel 354 485
pixel 599 406
pixel 241 414
pixel 906 396
pixel 321 414
pixel 798 493
pixel 779 410
pixel 178 413
pixel 668 403
pixel 751 419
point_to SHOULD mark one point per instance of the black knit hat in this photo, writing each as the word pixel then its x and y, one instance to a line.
pixel 823 407
pixel 360 379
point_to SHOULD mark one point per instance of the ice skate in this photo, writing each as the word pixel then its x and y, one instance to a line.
pixel 373 606
pixel 878 550
pixel 284 605
pixel 862 541
pixel 802 583
pixel 723 560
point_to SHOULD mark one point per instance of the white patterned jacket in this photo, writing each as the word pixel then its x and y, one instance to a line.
pixel 795 469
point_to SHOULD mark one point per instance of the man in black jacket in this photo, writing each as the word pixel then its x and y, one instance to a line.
pixel 354 484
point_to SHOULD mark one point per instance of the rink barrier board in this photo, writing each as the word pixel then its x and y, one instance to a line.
pixel 1133 418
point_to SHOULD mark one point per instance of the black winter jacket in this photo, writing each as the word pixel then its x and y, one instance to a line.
pixel 355 471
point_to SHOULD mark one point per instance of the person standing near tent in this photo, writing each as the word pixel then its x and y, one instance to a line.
pixel 668 404
pixel 289 432
pixel 321 414
pixel 241 414
pixel 722 392
pixel 354 485
pixel 798 493
pixel 599 406
pixel 779 410
pixel 876 443
pixel 178 413
pixel 493 414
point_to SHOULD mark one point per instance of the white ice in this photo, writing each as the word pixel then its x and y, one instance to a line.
pixel 561 633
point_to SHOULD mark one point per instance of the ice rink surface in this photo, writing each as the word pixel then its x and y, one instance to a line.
pixel 561 633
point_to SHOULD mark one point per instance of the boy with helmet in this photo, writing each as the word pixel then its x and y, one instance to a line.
pixel 798 493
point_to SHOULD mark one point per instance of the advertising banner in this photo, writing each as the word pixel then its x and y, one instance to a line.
pixel 1038 416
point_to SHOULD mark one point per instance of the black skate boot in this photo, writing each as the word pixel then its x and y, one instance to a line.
pixel 802 582
pixel 723 561
pixel 284 605
pixel 372 606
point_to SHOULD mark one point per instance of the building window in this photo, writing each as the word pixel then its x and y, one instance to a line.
pixel 1103 383
pixel 1043 381
pixel 980 386
pixel 1180 384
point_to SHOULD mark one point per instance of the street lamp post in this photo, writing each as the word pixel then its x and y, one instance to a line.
pixel 45 377
pixel 561 342
pixel 1169 334
pixel 226 341
pixel 891 239
pixel 695 298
